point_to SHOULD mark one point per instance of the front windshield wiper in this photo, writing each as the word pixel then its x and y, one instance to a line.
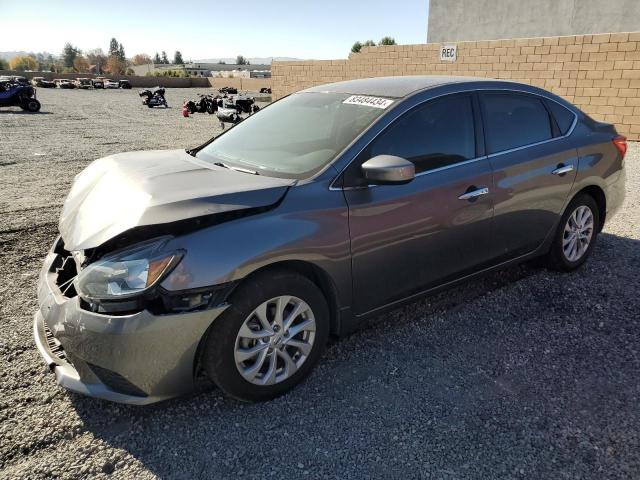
pixel 237 169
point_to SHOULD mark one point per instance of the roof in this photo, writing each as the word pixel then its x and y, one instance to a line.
pixel 394 87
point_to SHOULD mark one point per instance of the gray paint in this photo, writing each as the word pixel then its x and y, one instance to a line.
pixel 460 20
pixel 377 246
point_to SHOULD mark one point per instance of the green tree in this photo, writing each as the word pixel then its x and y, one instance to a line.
pixel 387 41
pixel 121 55
pixel 356 47
pixel 69 54
pixel 114 48
pixel 240 60
pixel 165 60
pixel 157 59
pixel 369 43
pixel 177 58
pixel 3 65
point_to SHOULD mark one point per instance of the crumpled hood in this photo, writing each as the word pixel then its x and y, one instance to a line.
pixel 119 192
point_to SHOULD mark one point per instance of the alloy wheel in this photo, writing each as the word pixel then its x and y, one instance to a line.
pixel 275 340
pixel 578 232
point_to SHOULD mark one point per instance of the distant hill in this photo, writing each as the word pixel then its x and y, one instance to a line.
pixel 253 60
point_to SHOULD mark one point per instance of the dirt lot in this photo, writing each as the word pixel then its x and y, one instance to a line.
pixel 523 374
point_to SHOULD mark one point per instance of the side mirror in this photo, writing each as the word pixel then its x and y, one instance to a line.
pixel 388 170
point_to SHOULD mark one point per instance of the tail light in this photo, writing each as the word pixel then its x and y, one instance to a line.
pixel 620 142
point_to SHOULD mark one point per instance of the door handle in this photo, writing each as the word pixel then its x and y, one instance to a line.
pixel 562 169
pixel 474 193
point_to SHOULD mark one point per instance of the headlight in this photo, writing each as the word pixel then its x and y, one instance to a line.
pixel 127 273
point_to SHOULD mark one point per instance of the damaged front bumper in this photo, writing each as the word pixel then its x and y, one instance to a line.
pixel 139 358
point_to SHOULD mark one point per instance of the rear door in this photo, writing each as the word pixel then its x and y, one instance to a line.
pixel 406 238
pixel 534 168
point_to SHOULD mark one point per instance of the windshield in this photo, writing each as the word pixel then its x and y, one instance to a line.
pixel 295 137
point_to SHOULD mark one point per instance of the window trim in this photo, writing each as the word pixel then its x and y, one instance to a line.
pixel 334 187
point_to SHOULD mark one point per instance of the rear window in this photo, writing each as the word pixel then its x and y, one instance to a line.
pixel 513 120
pixel 564 117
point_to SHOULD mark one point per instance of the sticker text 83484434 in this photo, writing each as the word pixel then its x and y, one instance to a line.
pixel 375 102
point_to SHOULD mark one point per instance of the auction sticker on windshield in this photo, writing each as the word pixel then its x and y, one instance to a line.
pixel 375 102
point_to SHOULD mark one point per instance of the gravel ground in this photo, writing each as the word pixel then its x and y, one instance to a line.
pixel 523 374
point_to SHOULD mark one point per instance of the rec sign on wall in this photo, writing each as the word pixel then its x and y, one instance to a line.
pixel 448 53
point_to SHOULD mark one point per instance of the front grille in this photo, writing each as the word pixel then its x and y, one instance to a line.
pixel 54 345
pixel 116 382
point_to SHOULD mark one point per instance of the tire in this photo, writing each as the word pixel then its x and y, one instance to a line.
pixel 558 258
pixel 31 105
pixel 225 341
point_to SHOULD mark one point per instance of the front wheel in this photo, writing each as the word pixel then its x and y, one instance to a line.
pixel 576 235
pixel 270 337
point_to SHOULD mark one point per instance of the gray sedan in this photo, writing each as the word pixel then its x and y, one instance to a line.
pixel 236 260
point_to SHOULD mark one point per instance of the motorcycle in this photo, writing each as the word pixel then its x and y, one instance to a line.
pixel 19 95
pixel 154 98
pixel 206 103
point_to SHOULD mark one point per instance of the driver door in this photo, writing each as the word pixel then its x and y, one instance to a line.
pixel 411 237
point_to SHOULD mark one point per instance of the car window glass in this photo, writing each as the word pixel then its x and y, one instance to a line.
pixel 435 135
pixel 514 121
pixel 564 117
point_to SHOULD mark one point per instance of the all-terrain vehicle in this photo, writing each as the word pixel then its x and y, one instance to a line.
pixel 265 90
pixel 205 104
pixel 17 95
pixel 229 90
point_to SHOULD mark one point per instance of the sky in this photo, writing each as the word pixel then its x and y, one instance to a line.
pixel 318 29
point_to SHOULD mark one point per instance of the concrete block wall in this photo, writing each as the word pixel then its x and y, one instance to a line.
pixel 598 73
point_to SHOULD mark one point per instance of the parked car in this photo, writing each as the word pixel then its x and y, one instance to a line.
pixel 108 83
pixel 238 258
pixel 97 83
pixel 42 82
pixel 124 84
pixel 265 90
pixel 83 83
pixel 14 94
pixel 64 83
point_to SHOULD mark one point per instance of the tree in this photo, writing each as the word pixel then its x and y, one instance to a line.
pixel 121 54
pixel 221 62
pixel 177 58
pixel 141 59
pixel 115 66
pixel 114 48
pixel 69 54
pixel 240 60
pixel 157 59
pixel 356 47
pixel 165 60
pixel 98 58
pixel 81 65
pixel 22 63
pixel 387 41
pixel 369 43
pixel 3 65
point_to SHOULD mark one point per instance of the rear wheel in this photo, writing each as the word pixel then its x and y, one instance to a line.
pixel 576 234
pixel 270 337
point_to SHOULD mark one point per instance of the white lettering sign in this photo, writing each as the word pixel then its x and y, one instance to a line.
pixel 375 102
pixel 448 53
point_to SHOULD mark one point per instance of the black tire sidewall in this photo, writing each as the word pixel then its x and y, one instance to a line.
pixel 218 356
pixel 557 257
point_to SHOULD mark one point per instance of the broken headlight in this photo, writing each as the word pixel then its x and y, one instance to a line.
pixel 127 273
